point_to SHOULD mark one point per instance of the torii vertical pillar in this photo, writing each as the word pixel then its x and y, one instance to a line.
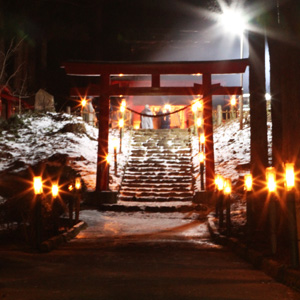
pixel 208 132
pixel 102 180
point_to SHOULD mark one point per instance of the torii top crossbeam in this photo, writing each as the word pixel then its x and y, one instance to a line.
pixel 105 89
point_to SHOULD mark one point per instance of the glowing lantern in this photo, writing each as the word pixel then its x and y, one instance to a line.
pixel 123 105
pixel 167 107
pixel 248 182
pixel 233 101
pixel 199 122
pixel 219 181
pixel 200 104
pixel 289 176
pixel 83 102
pixel 227 187
pixel 115 143
pixel 202 138
pixel 55 190
pixel 38 185
pixel 77 183
pixel 108 158
pixel 201 157
pixel 194 107
pixel 271 179
pixel 70 187
pixel 121 123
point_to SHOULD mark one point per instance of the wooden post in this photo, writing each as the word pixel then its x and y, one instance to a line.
pixel 292 224
pixel 208 132
pixel 219 115
pixel 228 219
pixel 102 165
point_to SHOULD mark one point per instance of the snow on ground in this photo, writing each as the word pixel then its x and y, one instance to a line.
pixel 158 225
pixel 232 148
pixel 41 137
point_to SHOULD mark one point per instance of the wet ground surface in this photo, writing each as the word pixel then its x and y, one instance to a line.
pixel 136 256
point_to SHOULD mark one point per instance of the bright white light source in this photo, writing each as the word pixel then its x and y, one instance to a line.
pixel 121 123
pixel 168 107
pixel 268 96
pixel 233 21
pixel 233 101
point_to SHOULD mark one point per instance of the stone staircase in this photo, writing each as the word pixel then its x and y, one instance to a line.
pixel 159 168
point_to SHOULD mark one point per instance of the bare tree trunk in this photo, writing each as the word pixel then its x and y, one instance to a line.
pixel 21 63
pixel 2 41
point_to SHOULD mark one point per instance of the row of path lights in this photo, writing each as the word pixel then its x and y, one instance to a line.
pixel 74 189
pixel 233 103
pixel 121 121
pixel 290 201
pixel 197 109
pixel 223 187
pixel 39 198
pixel 115 146
pixel 108 161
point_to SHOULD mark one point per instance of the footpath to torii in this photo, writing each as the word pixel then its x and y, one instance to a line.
pixel 107 88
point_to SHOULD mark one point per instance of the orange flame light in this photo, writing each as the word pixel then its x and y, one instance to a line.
pixel 227 186
pixel 233 101
pixel 194 107
pixel 219 182
pixel 248 182
pixel 167 107
pixel 199 122
pixel 77 183
pixel 202 138
pixel 55 190
pixel 108 158
pixel 201 157
pixel 115 143
pixel 38 185
pixel 289 176
pixel 121 123
pixel 200 104
pixel 271 179
pixel 83 102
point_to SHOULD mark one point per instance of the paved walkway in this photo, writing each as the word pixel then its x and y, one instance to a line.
pixel 136 256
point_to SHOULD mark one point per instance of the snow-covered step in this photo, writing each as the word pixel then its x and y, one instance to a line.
pixel 159 167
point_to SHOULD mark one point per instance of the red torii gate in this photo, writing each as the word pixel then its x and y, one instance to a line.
pixel 105 89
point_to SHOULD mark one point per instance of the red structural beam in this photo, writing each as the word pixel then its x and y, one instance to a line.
pixel 143 68
pixel 94 90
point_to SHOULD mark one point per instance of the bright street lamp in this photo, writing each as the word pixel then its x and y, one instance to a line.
pixel 235 23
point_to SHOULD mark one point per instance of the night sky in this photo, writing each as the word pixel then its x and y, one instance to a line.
pixel 118 30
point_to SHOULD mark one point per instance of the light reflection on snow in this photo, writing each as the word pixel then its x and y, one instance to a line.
pixel 153 226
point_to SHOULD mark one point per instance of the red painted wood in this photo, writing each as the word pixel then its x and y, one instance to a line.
pixel 105 90
pixel 114 90
pixel 102 180
pixel 208 132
